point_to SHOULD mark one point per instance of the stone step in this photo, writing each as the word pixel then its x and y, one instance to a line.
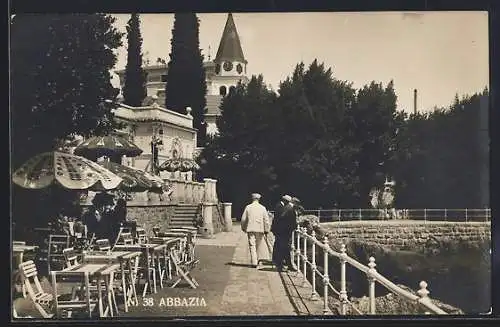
pixel 181 219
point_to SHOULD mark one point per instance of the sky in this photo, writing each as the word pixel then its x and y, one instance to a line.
pixel 438 53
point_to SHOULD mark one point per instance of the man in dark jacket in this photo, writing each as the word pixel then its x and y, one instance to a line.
pixel 278 209
pixel 284 225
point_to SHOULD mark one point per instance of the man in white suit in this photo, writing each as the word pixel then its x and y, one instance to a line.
pixel 255 222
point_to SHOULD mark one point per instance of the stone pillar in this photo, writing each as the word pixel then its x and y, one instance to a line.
pixel 214 191
pixel 228 219
pixel 206 195
pixel 207 230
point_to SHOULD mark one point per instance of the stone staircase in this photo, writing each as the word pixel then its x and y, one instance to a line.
pixel 184 215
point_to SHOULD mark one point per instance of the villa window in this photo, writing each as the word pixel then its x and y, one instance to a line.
pixel 223 90
pixel 164 78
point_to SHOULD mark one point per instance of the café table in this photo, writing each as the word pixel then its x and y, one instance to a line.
pixel 18 252
pixel 102 272
pixel 125 258
pixel 150 251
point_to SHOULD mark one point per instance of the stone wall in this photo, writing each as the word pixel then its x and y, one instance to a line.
pixel 405 234
pixel 149 216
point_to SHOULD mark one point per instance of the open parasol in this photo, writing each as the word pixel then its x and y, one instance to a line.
pixel 109 145
pixel 176 164
pixel 134 180
pixel 69 171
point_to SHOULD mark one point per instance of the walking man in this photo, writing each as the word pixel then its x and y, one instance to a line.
pixel 275 226
pixel 286 223
pixel 255 222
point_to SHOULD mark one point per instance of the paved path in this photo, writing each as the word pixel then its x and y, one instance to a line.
pixel 251 291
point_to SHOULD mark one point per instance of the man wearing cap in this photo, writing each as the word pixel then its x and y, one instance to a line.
pixel 255 222
pixel 286 223
pixel 275 227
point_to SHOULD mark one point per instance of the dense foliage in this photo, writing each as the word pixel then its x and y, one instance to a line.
pixel 329 144
pixel 186 85
pixel 60 81
pixel 134 90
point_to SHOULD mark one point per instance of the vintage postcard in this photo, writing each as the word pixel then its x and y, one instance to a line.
pixel 188 165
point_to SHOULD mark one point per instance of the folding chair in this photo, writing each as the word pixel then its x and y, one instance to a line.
pixel 103 244
pixel 146 266
pixel 57 243
pixel 141 236
pixel 41 299
pixel 125 239
pixel 183 270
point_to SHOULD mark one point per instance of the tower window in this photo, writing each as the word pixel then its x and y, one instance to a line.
pixel 223 90
pixel 239 68
pixel 160 131
pixel 217 68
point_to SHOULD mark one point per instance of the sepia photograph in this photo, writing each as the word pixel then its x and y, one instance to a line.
pixel 232 164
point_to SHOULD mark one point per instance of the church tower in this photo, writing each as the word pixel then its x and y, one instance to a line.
pixel 230 63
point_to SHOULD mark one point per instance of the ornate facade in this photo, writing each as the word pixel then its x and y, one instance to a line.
pixel 223 73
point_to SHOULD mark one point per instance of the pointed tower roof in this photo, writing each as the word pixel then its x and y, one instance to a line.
pixel 230 46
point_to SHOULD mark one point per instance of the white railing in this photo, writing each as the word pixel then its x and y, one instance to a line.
pixel 302 241
pixel 456 215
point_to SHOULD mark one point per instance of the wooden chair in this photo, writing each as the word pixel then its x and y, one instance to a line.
pixel 57 243
pixel 146 265
pixel 41 299
pixel 183 270
pixel 141 235
pixel 125 239
pixel 103 244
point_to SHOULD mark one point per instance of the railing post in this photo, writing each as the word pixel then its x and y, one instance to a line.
pixel 318 212
pixel 326 279
pixel 371 284
pixel 343 289
pixel 445 214
pixel 423 292
pixel 466 215
pixel 293 248
pixel 425 214
pixel 340 214
pixel 314 294
pixel 304 258
pixel 298 247
pixel 360 218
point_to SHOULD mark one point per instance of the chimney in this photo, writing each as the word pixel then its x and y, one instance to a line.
pixel 415 101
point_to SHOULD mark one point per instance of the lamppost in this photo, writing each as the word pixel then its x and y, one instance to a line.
pixel 155 143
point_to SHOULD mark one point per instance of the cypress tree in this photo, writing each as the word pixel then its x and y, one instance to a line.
pixel 134 90
pixel 185 84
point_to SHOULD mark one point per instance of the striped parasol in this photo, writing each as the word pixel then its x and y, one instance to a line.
pixel 109 145
pixel 68 170
pixel 134 180
pixel 176 164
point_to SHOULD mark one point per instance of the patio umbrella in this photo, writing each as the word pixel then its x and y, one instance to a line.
pixel 69 171
pixel 171 165
pixel 109 145
pixel 183 165
pixel 134 180
pixel 189 165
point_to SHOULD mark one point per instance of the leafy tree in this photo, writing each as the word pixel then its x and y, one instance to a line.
pixel 60 81
pixel 372 126
pixel 186 85
pixel 238 156
pixel 134 90
pixel 313 105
